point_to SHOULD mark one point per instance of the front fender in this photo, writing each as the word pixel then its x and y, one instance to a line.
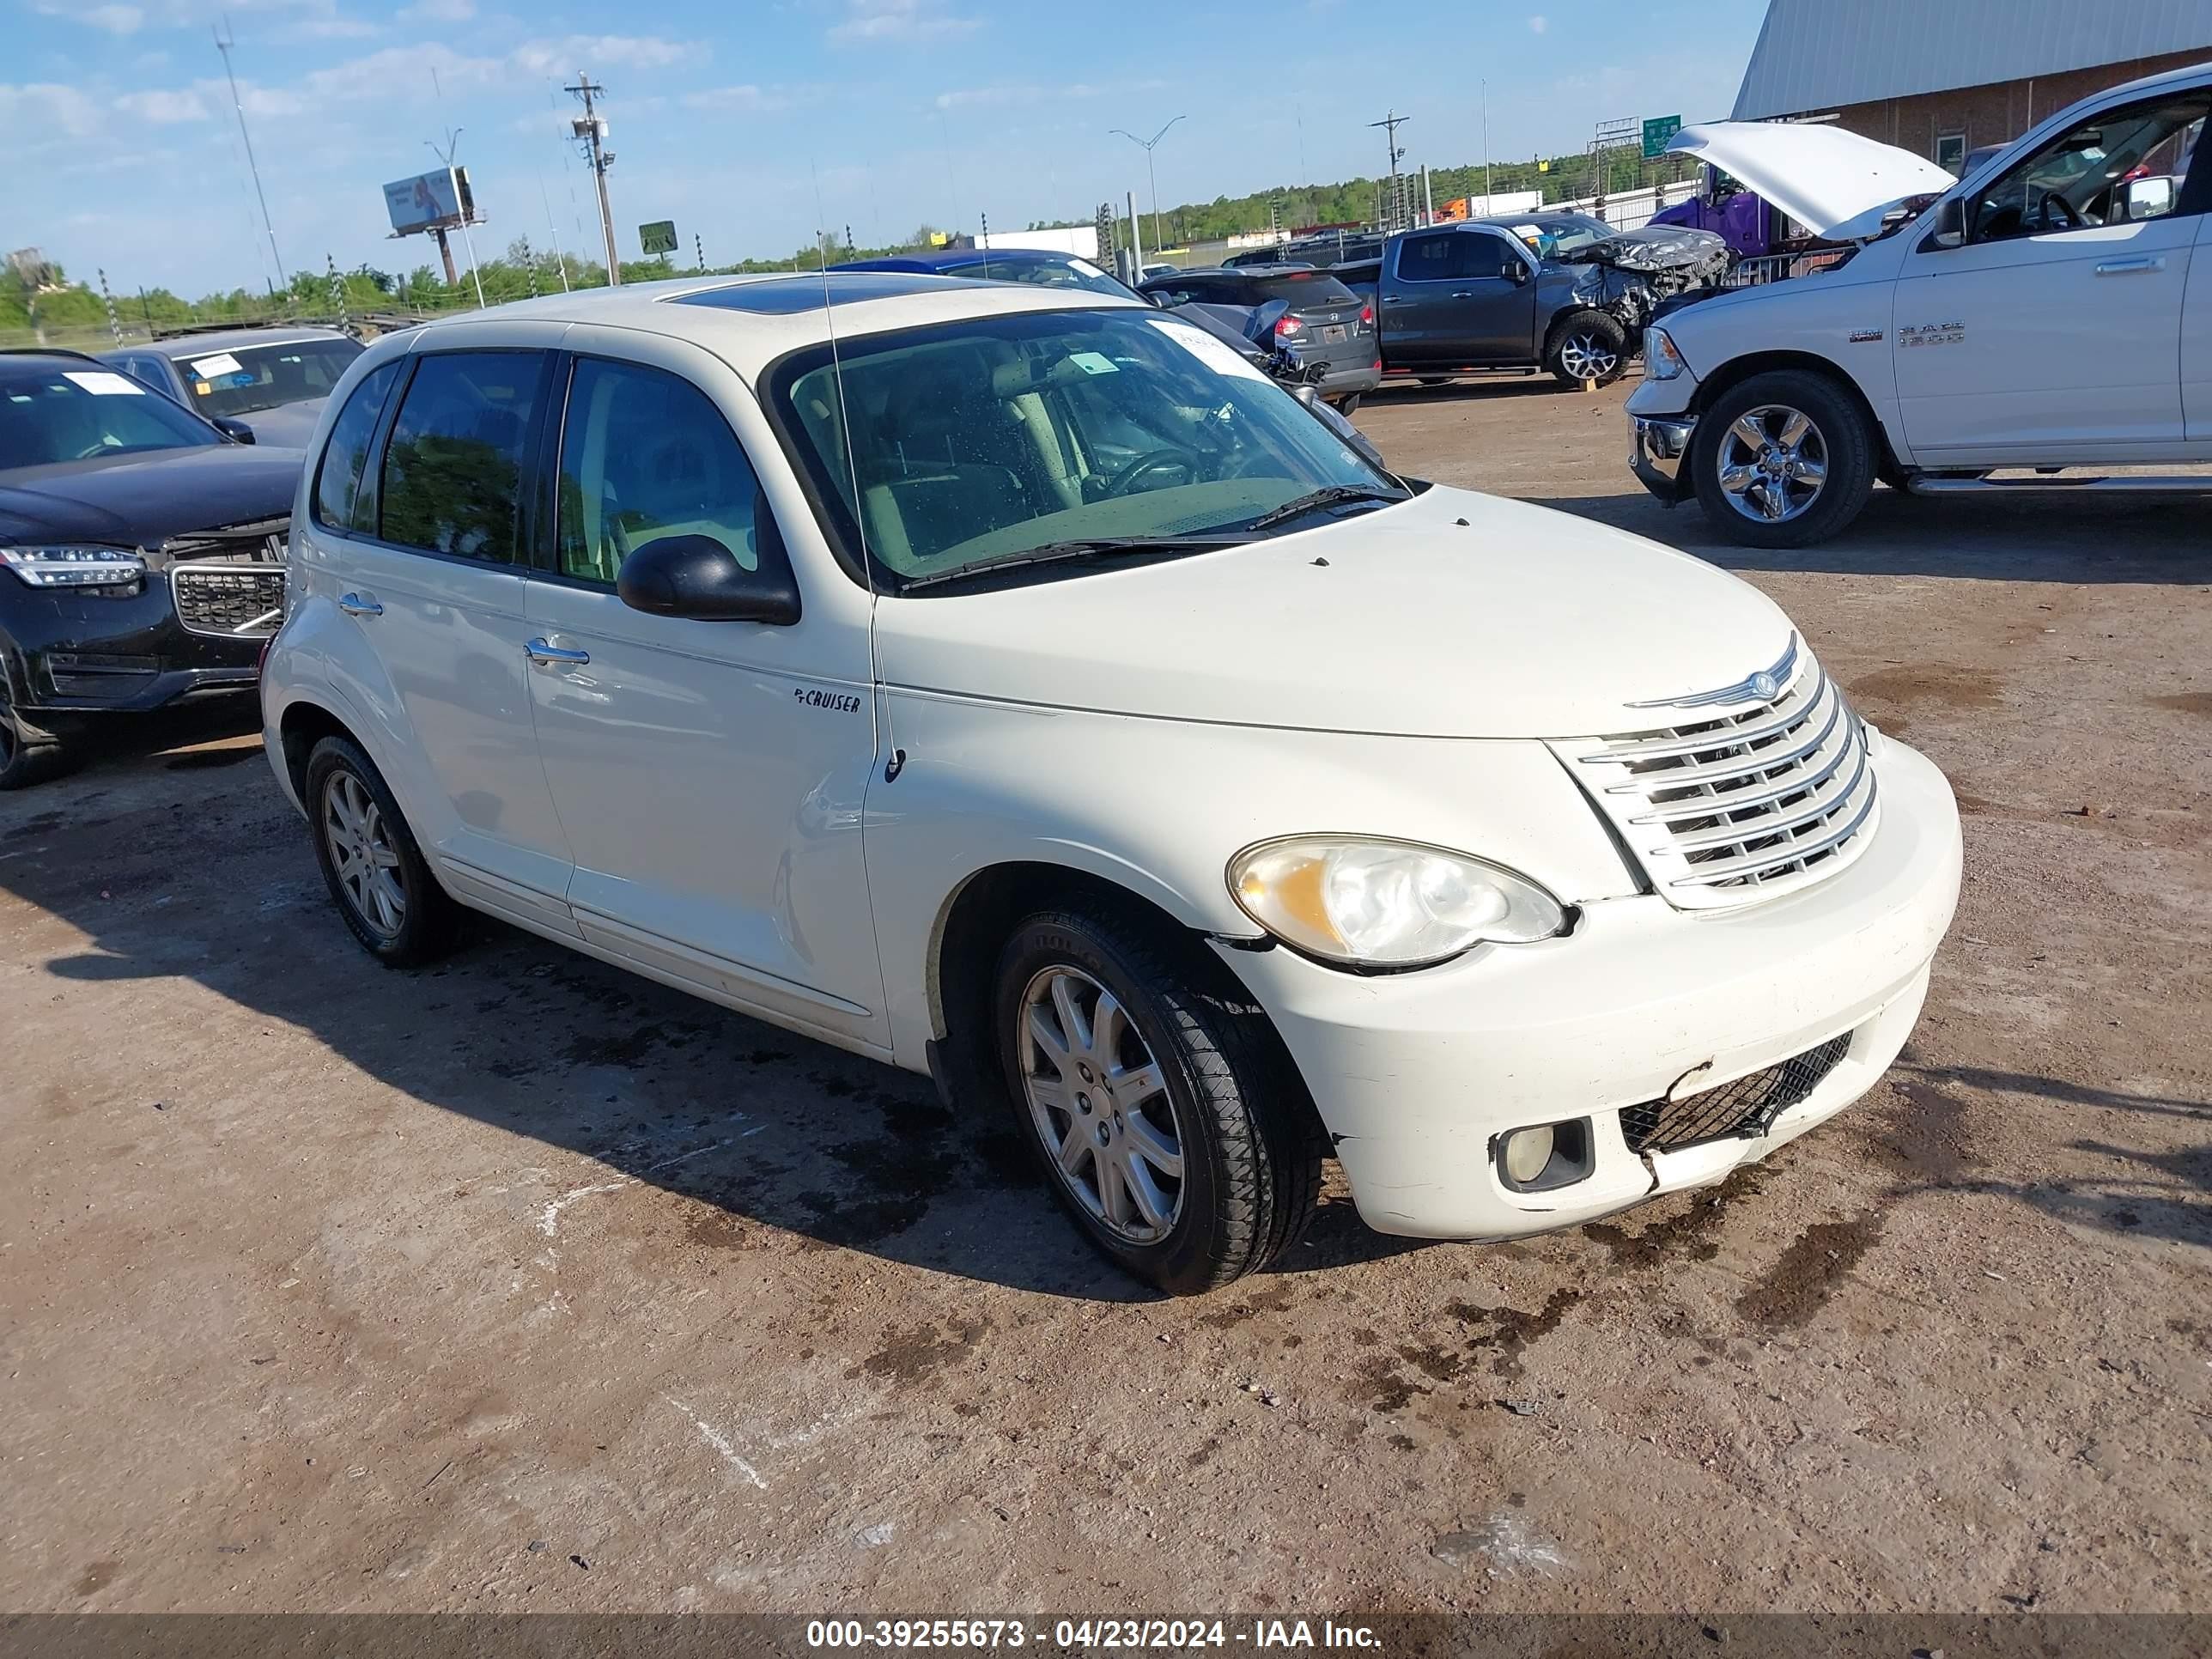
pixel 1158 807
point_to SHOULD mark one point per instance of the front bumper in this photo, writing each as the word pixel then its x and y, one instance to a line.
pixel 1418 1075
pixel 76 653
pixel 1658 454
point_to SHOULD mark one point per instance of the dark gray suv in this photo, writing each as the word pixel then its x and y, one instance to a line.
pixel 1324 322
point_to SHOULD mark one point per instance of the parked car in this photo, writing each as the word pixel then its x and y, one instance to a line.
pixel 1150 271
pixel 1559 291
pixel 1321 321
pixel 2044 311
pixel 142 555
pixel 272 381
pixel 1044 267
pixel 1030 692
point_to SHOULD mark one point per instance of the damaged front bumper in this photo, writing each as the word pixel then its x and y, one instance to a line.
pixel 1420 1078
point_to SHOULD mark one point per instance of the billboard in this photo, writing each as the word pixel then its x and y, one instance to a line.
pixel 427 200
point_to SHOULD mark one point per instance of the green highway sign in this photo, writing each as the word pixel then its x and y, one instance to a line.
pixel 1658 133
pixel 659 236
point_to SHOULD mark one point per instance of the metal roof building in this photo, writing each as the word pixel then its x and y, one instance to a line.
pixel 1924 75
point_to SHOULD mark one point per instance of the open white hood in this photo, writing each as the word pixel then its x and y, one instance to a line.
pixel 1836 183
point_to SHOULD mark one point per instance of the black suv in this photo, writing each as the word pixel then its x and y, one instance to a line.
pixel 141 553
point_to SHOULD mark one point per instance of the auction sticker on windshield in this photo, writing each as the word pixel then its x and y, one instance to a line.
pixel 103 383
pixel 223 364
pixel 1207 349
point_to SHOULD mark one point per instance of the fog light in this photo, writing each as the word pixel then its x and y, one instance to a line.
pixel 1526 1153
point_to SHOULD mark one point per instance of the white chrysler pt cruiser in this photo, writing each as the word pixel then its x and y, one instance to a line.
pixel 1019 687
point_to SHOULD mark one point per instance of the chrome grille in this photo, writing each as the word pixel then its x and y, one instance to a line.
pixel 1767 794
pixel 233 601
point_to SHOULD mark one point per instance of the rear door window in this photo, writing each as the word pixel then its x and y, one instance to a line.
pixel 452 476
pixel 1426 258
pixel 338 500
pixel 645 456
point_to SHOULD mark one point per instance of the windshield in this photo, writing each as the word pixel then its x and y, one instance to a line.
pixel 1070 272
pixel 981 441
pixel 1568 234
pixel 244 378
pixel 50 414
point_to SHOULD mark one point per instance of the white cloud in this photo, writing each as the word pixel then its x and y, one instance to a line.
pixel 751 100
pixel 1029 92
pixel 438 11
pixel 899 19
pixel 332 28
pixel 613 50
pixel 1539 23
pixel 115 20
pixel 37 114
pixel 163 108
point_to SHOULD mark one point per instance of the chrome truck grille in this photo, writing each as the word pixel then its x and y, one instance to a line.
pixel 1771 792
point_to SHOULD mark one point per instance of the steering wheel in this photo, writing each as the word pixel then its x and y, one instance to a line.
pixel 2054 212
pixel 1159 460
pixel 86 454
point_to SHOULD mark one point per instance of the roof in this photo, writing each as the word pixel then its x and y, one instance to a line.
pixel 1815 55
pixel 959 258
pixel 234 340
pixel 750 321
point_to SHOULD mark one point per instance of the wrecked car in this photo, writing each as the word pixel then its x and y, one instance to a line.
pixel 1557 291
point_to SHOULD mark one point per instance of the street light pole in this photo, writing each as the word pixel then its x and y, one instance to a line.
pixel 1147 145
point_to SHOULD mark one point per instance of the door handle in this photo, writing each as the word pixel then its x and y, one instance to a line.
pixel 2131 267
pixel 354 605
pixel 539 652
pixel 1394 300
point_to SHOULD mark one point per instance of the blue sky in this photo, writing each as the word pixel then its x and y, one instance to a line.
pixel 734 119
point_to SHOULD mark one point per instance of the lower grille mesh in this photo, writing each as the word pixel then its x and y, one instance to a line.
pixel 1746 1108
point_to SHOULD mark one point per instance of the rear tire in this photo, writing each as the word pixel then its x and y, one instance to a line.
pixel 378 877
pixel 1587 345
pixel 1183 1069
pixel 1752 424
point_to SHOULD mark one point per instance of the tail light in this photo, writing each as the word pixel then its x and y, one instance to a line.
pixel 1286 326
pixel 1367 316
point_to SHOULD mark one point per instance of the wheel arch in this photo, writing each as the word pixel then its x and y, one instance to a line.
pixel 304 724
pixel 1734 373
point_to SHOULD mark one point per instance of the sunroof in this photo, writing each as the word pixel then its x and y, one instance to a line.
pixel 782 296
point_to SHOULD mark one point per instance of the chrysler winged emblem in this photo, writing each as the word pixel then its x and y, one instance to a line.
pixel 1762 686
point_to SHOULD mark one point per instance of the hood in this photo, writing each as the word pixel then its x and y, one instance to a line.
pixel 1656 248
pixel 288 426
pixel 1453 615
pixel 1836 183
pixel 142 500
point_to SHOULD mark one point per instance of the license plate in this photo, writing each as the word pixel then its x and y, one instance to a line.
pixel 1332 334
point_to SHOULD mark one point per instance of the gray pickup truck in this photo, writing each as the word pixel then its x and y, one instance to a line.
pixel 1559 291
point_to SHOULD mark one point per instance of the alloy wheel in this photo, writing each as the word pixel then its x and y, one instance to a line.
pixel 1585 357
pixel 1772 463
pixel 363 854
pixel 1100 1104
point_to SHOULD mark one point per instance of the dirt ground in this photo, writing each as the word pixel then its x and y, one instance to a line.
pixel 522 1284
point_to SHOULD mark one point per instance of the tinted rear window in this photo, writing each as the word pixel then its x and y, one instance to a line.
pixel 338 486
pixel 1305 287
pixel 452 470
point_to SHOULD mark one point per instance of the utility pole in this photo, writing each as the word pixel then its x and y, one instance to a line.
pixel 592 132
pixel 1489 195
pixel 1147 145
pixel 223 42
pixel 1390 123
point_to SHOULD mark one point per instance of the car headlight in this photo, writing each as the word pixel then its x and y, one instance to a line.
pixel 1662 361
pixel 73 565
pixel 1374 902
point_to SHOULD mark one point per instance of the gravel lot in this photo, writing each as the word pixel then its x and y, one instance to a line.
pixel 522 1284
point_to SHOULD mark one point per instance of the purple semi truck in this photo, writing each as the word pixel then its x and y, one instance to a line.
pixel 1746 223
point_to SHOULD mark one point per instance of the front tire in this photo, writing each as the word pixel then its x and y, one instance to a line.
pixel 1167 1117
pixel 378 877
pixel 1783 460
pixel 27 755
pixel 1587 346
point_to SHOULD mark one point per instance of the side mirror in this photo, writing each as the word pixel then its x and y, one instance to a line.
pixel 237 431
pixel 2150 199
pixel 1518 273
pixel 1307 395
pixel 1946 228
pixel 697 577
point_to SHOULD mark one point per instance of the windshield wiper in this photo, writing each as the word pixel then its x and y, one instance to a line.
pixel 1327 495
pixel 1101 547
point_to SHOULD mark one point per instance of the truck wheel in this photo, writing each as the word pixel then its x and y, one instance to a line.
pixel 27 755
pixel 1587 345
pixel 1166 1114
pixel 378 878
pixel 1785 459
